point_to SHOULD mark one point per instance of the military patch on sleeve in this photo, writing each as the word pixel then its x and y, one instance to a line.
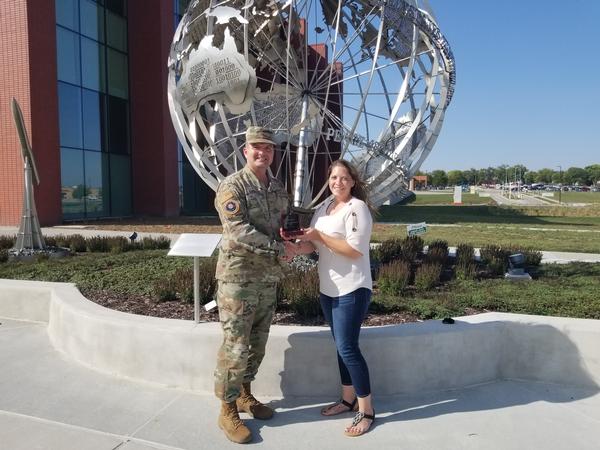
pixel 232 207
pixel 229 204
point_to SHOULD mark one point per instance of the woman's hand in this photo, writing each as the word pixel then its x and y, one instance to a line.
pixel 310 234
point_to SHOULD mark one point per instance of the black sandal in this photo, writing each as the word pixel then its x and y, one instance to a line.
pixel 351 407
pixel 357 418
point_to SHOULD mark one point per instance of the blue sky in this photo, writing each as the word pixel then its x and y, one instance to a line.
pixel 528 84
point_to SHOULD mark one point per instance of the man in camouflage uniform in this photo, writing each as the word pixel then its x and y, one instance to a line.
pixel 250 204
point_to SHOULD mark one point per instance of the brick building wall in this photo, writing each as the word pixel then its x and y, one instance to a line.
pixel 28 73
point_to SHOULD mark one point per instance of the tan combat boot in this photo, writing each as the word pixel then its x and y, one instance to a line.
pixel 247 403
pixel 232 425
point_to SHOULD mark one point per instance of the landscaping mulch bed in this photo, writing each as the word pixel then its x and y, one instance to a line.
pixel 147 306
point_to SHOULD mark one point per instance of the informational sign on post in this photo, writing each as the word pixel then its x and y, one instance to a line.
pixel 416 229
pixel 457 195
pixel 196 245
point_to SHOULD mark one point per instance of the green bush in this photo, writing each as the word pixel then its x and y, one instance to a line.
pixel 394 277
pixel 398 250
pixel 438 244
pixel 98 244
pixel 465 253
pixel 427 276
pixel 164 289
pixel 183 279
pixel 7 242
pixel 50 241
pixel 427 309
pixel 388 251
pixel 496 257
pixel 301 291
pixel 118 244
pixel 466 270
pixel 3 255
pixel 76 243
pixel 437 255
pixel 159 243
pixel 413 245
pixel 497 265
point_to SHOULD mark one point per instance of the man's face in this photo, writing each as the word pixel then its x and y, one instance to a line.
pixel 259 156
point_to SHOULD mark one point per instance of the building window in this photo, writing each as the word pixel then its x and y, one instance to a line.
pixel 93 97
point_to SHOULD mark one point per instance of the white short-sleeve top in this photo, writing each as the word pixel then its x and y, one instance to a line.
pixel 338 274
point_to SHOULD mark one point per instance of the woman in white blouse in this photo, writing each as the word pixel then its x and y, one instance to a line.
pixel 340 232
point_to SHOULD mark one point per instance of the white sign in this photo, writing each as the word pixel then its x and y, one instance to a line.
pixel 195 244
pixel 457 195
pixel 416 229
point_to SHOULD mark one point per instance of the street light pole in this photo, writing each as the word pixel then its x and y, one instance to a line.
pixel 559 184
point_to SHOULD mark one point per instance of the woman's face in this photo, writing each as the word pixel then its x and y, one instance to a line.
pixel 340 183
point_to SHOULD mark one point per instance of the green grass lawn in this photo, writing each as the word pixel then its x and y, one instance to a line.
pixel 579 197
pixel 445 198
pixel 483 225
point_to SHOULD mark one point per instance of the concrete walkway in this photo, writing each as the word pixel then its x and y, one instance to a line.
pixel 49 402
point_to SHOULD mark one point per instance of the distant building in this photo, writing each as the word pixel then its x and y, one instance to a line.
pixel 417 183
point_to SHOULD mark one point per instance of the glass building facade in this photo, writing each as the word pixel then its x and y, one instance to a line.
pixel 93 99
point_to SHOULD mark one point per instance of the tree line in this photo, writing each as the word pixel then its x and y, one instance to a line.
pixel 586 176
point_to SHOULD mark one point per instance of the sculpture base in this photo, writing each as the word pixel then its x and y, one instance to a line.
pixel 33 254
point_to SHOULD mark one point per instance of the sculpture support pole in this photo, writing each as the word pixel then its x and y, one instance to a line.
pixel 301 157
pixel 30 234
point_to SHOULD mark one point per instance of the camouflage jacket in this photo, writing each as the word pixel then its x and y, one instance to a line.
pixel 251 215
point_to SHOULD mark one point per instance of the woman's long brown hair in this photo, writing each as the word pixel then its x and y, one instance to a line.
pixel 360 189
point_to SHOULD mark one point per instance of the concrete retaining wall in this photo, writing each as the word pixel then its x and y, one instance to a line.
pixel 301 360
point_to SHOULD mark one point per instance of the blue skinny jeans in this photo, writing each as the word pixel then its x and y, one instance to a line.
pixel 345 315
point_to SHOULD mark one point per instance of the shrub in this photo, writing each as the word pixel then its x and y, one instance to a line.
pixel 159 243
pixel 466 270
pixel 533 258
pixel 50 241
pixel 429 309
pixel 497 265
pixel 388 251
pixel 465 253
pixel 301 290
pixel 164 289
pixel 7 242
pixel 394 277
pixel 411 247
pixel 437 255
pixel 118 244
pixel 427 276
pixel 496 257
pixel 183 280
pixel 438 244
pixel 98 244
pixel 3 255
pixel 398 249
pixel 76 243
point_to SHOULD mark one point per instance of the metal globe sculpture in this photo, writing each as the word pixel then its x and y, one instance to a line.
pixel 367 81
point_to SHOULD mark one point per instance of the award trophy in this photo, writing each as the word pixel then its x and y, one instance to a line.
pixel 291 226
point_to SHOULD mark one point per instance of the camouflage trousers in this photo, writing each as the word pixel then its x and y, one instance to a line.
pixel 245 312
